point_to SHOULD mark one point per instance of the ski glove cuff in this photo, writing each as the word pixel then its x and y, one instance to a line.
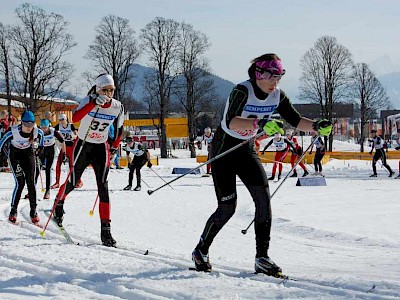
pixel 323 126
pixel 270 127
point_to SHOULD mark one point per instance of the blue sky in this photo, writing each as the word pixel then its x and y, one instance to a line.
pixel 242 30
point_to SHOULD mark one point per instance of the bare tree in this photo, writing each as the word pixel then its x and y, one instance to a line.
pixel 196 90
pixel 114 50
pixel 325 79
pixel 370 95
pixel 161 39
pixel 39 42
pixel 5 62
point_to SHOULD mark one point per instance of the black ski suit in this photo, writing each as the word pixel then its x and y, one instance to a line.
pixel 244 162
pixel 22 159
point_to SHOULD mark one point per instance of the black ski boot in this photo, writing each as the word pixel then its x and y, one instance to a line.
pixel 58 214
pixel 294 174
pixel 13 215
pixel 305 173
pixel 272 177
pixel 106 236
pixel 201 261
pixel 138 188
pixel 279 176
pixel 391 174
pixel 266 266
pixel 128 187
pixel 373 175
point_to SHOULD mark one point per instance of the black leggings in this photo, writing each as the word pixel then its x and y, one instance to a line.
pixel 23 167
pixel 137 163
pixel 380 154
pixel 97 155
pixel 244 163
pixel 317 160
pixel 46 159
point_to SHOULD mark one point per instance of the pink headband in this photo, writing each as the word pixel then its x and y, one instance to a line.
pixel 272 65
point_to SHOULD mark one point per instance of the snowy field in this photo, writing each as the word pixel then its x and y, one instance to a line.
pixel 340 241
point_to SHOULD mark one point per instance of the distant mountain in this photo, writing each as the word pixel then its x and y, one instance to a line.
pixel 391 83
pixel 383 65
pixel 223 87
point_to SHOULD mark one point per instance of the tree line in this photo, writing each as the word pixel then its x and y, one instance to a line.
pixel 33 64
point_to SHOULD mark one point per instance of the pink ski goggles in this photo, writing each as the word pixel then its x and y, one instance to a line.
pixel 269 69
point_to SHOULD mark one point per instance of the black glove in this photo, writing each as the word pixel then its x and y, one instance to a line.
pixel 149 164
pixel 397 148
pixel 299 151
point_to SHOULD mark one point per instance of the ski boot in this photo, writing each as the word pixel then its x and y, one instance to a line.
pixel 391 174
pixel 55 186
pixel 59 214
pixel 373 175
pixel 266 266
pixel 293 175
pixel 305 173
pixel 398 177
pixel 279 176
pixel 201 261
pixel 138 188
pixel 106 236
pixel 12 218
pixel 34 217
pixel 272 177
pixel 128 187
pixel 47 195
pixel 79 184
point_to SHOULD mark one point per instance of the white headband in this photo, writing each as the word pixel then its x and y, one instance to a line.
pixel 104 80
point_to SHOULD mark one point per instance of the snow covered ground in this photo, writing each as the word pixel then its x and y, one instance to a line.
pixel 341 241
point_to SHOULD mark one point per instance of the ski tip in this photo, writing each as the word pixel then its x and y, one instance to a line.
pixel 150 192
pixel 146 253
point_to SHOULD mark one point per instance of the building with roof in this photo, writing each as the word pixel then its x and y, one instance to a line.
pixel 54 105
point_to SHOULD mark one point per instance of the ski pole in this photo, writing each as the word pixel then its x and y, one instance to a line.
pixel 244 231
pixel 69 173
pixel 387 171
pixel 40 173
pixel 161 178
pixel 209 161
pixel 144 182
pixel 91 212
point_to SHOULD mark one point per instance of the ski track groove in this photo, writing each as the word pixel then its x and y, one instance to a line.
pixel 38 272
pixel 306 284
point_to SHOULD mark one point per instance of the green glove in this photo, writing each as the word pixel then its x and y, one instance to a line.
pixel 271 127
pixel 323 126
